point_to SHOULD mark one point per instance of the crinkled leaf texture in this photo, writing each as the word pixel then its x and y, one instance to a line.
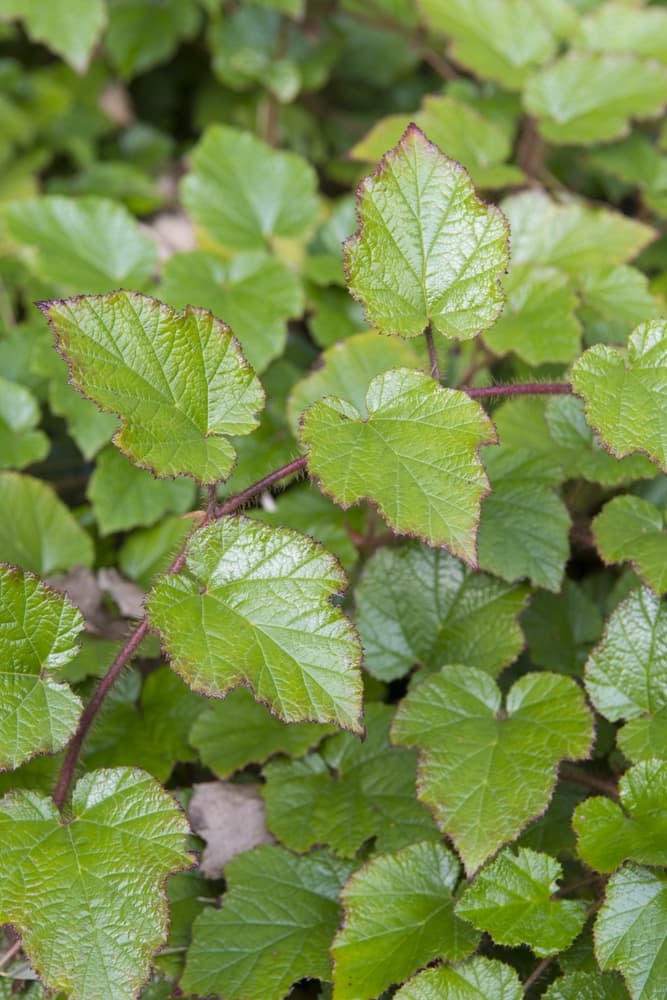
pixel 486 771
pixel 626 395
pixel 275 926
pixel 631 529
pixel 420 606
pixel 398 916
pixel 427 251
pixel 512 899
pixel 38 632
pixel 478 979
pixel 178 381
pixel 414 453
pixel 253 606
pixel 631 930
pixel 85 892
pixel 635 830
pixel 587 986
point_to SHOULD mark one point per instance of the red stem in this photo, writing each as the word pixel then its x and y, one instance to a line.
pixel 432 354
pixel 525 389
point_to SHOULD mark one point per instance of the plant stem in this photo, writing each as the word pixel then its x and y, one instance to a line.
pixel 89 713
pixel 432 354
pixel 524 389
pixel 603 786
pixel 537 972
pixel 11 952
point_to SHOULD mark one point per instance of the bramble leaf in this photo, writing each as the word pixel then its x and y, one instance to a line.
pixel 20 443
pixel 427 251
pixel 398 916
pixel 275 925
pixel 511 899
pixel 413 452
pixel 631 930
pixel 624 27
pixel 142 34
pixel 473 980
pixel 419 606
pixel 487 771
pixel 237 731
pixel 254 293
pixel 69 27
pixel 177 380
pixel 253 606
pixel 609 833
pixel 624 394
pixel 37 531
pixel 243 192
pixel 351 792
pixel 83 244
pixel 630 529
pixel 94 915
pixel 587 986
pixel 38 632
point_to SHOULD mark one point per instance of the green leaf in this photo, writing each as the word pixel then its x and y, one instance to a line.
pixel 560 629
pixel 421 606
pixel 486 771
pixel 90 427
pixel 71 28
pixel 524 530
pixel 427 251
pixel 83 244
pixel 624 27
pixel 124 496
pixel 38 632
pixel 477 979
pixel 143 34
pixel 539 322
pixel 398 916
pixel 94 914
pixel 624 393
pixel 615 300
pixel 609 833
pixel 511 899
pixel 254 294
pixel 632 530
pixel 37 531
pixel 345 370
pixel 177 380
pixel 253 606
pixel 243 192
pixel 150 551
pixel 572 236
pixel 587 986
pixel 20 443
pixel 349 792
pixel 631 930
pixel 499 40
pixel 413 451
pixel 238 731
pixel 275 926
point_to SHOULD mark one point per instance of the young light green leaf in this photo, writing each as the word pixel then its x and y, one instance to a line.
pixel 253 607
pixel 237 731
pixel 414 452
pixel 95 913
pixel 630 529
pixel 243 192
pixel 587 97
pixel 254 293
pixel 419 606
pixel 626 27
pixel 631 930
pixel 477 979
pixel 427 251
pixel 486 771
pixel 71 28
pixel 124 496
pixel 587 986
pixel 398 916
pixel 524 529
pixel 511 899
pixel 38 631
pixel 20 443
pixel 350 792
pixel 539 322
pixel 275 926
pixel 177 380
pixel 37 530
pixel 624 394
pixel 143 34
pixel 83 244
pixel 635 830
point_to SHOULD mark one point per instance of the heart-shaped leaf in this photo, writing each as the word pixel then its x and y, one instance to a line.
pixel 473 980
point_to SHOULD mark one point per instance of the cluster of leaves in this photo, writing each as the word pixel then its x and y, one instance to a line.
pixel 391 515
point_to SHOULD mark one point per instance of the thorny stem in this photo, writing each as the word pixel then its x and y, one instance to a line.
pixel 432 353
pixel 522 389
